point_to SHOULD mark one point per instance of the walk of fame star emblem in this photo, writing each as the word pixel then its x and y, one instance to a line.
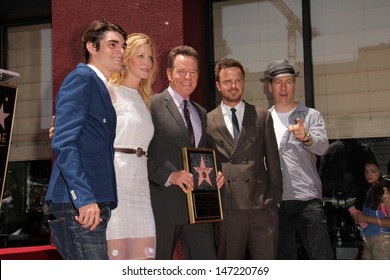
pixel 204 172
pixel 2 116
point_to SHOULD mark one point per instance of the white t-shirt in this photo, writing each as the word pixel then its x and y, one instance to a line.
pixel 280 123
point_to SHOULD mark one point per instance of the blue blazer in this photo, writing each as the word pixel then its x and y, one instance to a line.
pixel 83 170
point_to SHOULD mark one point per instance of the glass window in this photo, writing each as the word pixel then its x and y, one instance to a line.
pixel 22 218
pixel 351 62
pixel 30 54
pixel 351 65
pixel 257 33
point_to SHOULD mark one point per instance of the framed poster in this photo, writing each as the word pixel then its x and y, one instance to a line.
pixel 8 96
pixel 204 201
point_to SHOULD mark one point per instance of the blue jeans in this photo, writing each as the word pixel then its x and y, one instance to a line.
pixel 308 218
pixel 73 241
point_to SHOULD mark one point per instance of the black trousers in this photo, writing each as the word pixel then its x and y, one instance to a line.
pixel 197 241
pixel 308 218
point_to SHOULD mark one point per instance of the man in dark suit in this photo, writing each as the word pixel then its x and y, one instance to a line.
pixel 168 179
pixel 82 187
pixel 246 149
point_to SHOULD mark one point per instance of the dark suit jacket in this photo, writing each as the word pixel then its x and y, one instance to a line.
pixel 164 157
pixel 83 170
pixel 251 166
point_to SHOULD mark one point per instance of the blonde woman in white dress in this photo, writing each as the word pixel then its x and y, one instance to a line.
pixel 131 229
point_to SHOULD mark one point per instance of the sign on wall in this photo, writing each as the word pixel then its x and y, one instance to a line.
pixel 8 95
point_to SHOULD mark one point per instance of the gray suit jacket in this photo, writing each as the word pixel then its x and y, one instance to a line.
pixel 164 156
pixel 251 166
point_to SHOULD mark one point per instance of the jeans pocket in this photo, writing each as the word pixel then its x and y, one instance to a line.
pixel 58 234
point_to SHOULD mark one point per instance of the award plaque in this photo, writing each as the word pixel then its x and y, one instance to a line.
pixel 8 96
pixel 204 201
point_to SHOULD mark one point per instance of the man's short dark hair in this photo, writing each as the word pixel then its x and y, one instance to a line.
pixel 95 33
pixel 227 63
pixel 181 50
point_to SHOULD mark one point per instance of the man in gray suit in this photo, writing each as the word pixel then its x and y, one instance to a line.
pixel 168 179
pixel 301 135
pixel 245 142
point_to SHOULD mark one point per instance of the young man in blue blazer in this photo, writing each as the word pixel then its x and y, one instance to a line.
pixel 82 187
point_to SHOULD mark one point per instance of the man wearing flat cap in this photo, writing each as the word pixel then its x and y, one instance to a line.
pixel 301 137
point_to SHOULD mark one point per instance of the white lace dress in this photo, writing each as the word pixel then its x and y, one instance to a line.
pixel 131 229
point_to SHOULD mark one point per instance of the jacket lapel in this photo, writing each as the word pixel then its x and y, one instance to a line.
pixel 172 108
pixel 219 122
pixel 203 122
pixel 103 91
pixel 248 120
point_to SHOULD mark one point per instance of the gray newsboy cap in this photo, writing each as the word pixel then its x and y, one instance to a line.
pixel 281 68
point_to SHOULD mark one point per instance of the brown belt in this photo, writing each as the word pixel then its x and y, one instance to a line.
pixel 139 152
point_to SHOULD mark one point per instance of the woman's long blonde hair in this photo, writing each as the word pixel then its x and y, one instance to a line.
pixel 134 41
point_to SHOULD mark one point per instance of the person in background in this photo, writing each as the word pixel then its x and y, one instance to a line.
pixel 251 166
pixel 301 136
pixel 372 173
pixel 375 213
pixel 82 188
pixel 131 229
pixel 340 169
pixel 168 179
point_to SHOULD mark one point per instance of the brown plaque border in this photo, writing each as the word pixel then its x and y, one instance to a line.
pixel 204 194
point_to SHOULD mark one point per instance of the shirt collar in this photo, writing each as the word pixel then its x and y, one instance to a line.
pixel 177 98
pixel 239 107
pixel 98 72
